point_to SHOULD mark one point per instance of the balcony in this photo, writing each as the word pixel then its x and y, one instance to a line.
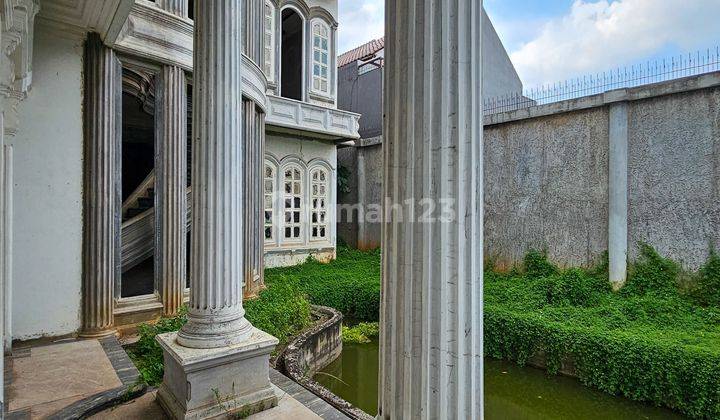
pixel 293 116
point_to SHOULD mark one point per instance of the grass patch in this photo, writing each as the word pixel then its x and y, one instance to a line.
pixel 282 310
pixel 350 284
pixel 361 333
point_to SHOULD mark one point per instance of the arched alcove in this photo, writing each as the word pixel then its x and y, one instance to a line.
pixel 292 54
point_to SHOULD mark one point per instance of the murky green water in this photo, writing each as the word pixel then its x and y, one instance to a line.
pixel 511 392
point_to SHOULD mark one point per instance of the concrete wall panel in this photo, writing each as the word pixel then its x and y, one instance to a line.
pixel 48 193
pixel 674 175
pixel 546 188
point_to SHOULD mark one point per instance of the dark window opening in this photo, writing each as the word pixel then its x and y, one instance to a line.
pixel 138 186
pixel 292 55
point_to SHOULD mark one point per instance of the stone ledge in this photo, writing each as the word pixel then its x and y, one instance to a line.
pixel 194 359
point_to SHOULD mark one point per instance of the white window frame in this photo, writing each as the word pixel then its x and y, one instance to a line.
pixel 319 203
pixel 296 210
pixel 269 38
pixel 272 180
pixel 318 51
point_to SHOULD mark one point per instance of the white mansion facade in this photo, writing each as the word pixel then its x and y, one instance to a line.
pixel 99 146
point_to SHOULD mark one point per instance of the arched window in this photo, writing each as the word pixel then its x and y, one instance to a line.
pixel 269 42
pixel 321 58
pixel 319 192
pixel 292 203
pixel 292 54
pixel 268 193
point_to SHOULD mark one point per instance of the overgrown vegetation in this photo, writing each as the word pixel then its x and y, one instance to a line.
pixel 350 284
pixel 653 341
pixel 649 342
pixel 282 310
pixel 361 333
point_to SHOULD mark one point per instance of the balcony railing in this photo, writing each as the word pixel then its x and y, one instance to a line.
pixel 313 119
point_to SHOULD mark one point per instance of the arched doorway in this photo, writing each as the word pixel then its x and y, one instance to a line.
pixel 292 55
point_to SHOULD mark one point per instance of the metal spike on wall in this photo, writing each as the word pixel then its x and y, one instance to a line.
pixel 656 71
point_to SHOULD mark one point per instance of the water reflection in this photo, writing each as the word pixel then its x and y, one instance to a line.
pixel 511 392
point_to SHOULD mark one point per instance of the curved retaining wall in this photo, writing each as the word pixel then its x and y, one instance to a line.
pixel 312 351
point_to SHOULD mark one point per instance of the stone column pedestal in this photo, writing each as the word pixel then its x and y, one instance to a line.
pixel 209 383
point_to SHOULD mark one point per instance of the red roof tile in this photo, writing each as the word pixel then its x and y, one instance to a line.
pixel 363 51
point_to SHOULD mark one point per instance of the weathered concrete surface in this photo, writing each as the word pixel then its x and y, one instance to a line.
pixel 547 176
pixel 618 193
pixel 674 174
pixel 546 186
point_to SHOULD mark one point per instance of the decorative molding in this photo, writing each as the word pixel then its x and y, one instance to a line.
pixel 153 33
pixel 254 83
pixel 105 17
pixel 306 117
pixel 17 19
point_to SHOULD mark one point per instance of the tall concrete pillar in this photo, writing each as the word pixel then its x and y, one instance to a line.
pixel 101 212
pixel 176 7
pixel 431 353
pixel 618 194
pixel 217 363
pixel 171 214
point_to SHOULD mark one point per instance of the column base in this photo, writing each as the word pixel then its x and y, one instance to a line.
pixel 221 382
pixel 97 334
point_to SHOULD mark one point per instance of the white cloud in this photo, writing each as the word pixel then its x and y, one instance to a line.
pixel 598 35
pixel 360 21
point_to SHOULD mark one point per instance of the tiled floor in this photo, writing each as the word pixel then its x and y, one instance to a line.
pixel 64 379
pixel 48 378
pixel 146 407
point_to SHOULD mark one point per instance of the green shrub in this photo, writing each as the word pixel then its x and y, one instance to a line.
pixel 350 284
pixel 537 265
pixel 707 292
pixel 147 353
pixel 573 287
pixel 360 333
pixel 651 274
pixel 281 310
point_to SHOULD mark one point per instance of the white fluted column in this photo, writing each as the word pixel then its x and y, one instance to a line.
pixel 176 7
pixel 216 316
pixel 171 188
pixel 217 365
pixel 431 315
pixel 101 202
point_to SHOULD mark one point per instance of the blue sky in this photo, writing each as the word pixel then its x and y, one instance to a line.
pixel 552 40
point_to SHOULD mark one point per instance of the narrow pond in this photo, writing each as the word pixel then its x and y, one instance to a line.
pixel 511 392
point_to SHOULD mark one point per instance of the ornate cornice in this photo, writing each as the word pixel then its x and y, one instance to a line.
pixel 16 41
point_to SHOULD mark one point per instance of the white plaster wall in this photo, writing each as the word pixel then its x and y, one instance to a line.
pixel 48 192
pixel 281 146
